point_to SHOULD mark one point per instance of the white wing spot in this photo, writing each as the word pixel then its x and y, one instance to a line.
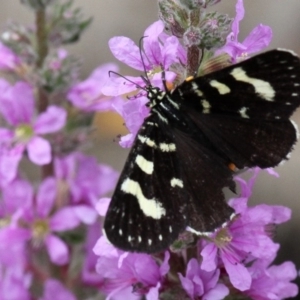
pixel 243 112
pixel 120 232
pixel 206 106
pixel 221 87
pixel 196 89
pixel 150 207
pixel 290 68
pixel 293 76
pixel 288 103
pixel 147 141
pixel 139 238
pixel 262 88
pixel 170 228
pixel 296 84
pixel 167 147
pixel 160 237
pixel 144 164
pixel 149 242
pixel 129 238
pixel 176 182
pixel 294 94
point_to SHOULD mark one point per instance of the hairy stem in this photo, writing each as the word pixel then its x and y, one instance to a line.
pixel 193 54
pixel 42 52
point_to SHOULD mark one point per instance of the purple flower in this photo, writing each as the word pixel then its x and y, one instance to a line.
pixel 273 282
pixel 87 95
pixel 159 51
pixel 14 283
pixel 86 179
pixel 198 283
pixel 129 274
pixel 244 239
pixel 43 224
pixel 8 59
pixel 53 289
pixel 259 38
pixel 17 108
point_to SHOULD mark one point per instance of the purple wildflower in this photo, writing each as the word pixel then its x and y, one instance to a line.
pixel 17 108
pixel 244 239
pixel 159 52
pixel 272 282
pixel 259 38
pixel 86 179
pixel 87 95
pixel 198 283
pixel 53 289
pixel 130 274
pixel 43 225
pixel 8 59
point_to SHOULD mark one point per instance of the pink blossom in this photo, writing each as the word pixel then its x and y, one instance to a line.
pixel 86 179
pixel 17 108
pixel 243 239
pixel 87 95
pixel 198 283
pixel 258 39
pixel 130 274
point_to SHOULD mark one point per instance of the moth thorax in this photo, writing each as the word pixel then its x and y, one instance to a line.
pixel 155 95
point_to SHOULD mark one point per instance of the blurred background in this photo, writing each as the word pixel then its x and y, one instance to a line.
pixel 130 18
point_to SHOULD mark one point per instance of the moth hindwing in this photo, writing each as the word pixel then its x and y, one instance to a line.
pixel 178 165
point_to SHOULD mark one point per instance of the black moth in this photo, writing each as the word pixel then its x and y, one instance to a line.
pixel 178 165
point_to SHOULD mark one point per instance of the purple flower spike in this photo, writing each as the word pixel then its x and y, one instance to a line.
pixel 198 283
pixel 258 39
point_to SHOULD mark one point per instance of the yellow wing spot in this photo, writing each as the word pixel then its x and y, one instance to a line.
pixel 189 78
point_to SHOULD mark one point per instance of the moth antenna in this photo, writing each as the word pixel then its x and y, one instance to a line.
pixel 145 78
pixel 118 74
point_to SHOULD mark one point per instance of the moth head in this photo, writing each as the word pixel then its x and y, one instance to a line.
pixel 154 94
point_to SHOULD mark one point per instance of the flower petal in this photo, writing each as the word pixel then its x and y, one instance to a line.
pixel 85 214
pixel 46 196
pixel 258 39
pixel 52 120
pixel 64 219
pixel 219 292
pixel 209 254
pixel 57 249
pixel 125 50
pixel 39 151
pixel 238 274
pixel 102 206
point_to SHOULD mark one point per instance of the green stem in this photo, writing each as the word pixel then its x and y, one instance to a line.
pixel 42 52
